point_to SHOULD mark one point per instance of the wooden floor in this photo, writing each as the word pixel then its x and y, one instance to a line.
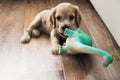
pixel 34 61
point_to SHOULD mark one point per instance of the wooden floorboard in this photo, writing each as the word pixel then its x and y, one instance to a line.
pixel 102 39
pixel 11 28
pixel 34 61
pixel 36 56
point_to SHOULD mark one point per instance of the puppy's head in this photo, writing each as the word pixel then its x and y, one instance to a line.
pixel 65 15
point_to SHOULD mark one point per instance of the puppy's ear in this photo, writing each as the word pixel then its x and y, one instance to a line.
pixel 77 16
pixel 52 18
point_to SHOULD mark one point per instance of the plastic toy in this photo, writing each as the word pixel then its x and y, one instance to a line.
pixel 79 42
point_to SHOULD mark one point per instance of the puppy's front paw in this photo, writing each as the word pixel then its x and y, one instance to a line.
pixel 35 33
pixel 55 49
pixel 25 38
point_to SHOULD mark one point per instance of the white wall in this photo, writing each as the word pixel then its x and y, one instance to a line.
pixel 109 10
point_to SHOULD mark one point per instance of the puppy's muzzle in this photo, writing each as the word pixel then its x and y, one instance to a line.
pixel 65 26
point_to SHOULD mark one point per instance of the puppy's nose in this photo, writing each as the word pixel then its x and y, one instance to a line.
pixel 65 26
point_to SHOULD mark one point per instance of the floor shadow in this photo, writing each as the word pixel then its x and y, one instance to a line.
pixel 86 62
pixel 78 65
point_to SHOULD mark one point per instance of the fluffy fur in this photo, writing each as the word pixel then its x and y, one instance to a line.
pixel 53 22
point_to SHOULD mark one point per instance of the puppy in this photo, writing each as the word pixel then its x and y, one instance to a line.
pixel 53 22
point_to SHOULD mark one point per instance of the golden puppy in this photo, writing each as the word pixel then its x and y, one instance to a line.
pixel 54 22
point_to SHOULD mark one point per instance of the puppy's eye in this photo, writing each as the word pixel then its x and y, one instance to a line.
pixel 71 17
pixel 58 18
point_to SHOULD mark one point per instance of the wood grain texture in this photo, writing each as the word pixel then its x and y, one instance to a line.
pixel 11 26
pixel 36 56
pixel 34 61
pixel 102 39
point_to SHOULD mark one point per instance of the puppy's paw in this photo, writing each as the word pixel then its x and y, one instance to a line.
pixel 55 49
pixel 25 38
pixel 35 32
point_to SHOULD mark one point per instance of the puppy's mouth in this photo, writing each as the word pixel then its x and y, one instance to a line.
pixel 62 30
pixel 62 33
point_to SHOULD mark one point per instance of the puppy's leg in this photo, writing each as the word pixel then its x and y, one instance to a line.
pixel 28 33
pixel 55 43
pixel 35 32
pixel 55 46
